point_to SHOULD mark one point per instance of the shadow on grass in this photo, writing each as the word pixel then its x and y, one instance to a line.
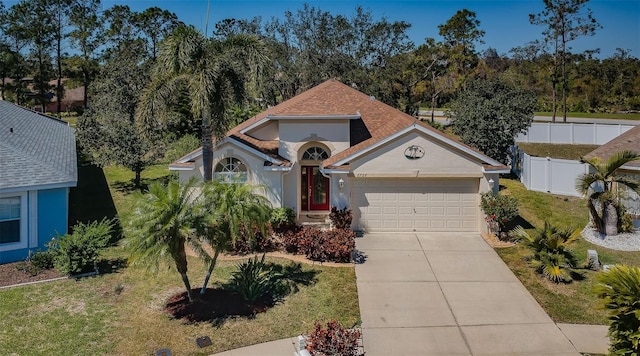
pixel 130 186
pixel 107 266
pixel 518 221
pixel 91 200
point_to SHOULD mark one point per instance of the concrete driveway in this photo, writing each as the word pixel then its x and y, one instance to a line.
pixel 447 294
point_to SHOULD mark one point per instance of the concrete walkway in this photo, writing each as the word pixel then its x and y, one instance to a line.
pixel 447 294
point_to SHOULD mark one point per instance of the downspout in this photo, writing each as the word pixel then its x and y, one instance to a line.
pixel 282 187
pixel 330 183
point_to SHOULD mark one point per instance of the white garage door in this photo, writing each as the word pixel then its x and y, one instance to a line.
pixel 415 204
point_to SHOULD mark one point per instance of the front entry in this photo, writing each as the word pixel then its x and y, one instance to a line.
pixel 314 189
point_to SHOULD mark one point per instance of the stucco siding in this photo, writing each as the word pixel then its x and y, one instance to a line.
pixel 53 214
pixel 438 160
pixel 331 133
pixel 267 132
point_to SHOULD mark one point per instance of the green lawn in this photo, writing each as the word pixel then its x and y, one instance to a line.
pixel 566 303
pixel 121 312
pixel 573 152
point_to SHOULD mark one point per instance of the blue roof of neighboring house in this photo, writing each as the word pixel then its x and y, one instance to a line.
pixel 36 151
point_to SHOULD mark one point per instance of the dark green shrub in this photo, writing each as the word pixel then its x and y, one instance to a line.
pixel 76 252
pixel 333 340
pixel 341 218
pixel 253 279
pixel 282 219
pixel 42 259
pixel 619 289
pixel 499 208
pixel 551 255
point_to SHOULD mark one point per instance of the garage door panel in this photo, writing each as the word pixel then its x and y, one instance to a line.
pixel 415 204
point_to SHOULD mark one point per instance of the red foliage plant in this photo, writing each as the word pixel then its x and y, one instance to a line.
pixel 321 245
pixel 333 340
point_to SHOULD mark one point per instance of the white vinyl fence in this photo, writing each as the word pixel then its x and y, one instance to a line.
pixel 572 133
pixel 558 176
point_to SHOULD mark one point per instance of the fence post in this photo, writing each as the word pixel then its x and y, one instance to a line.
pixel 547 167
pixel 571 133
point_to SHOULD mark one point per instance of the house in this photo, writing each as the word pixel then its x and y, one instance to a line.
pixel 629 140
pixel 38 165
pixel 335 146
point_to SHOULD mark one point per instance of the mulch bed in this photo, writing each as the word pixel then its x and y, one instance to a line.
pixel 10 274
pixel 215 304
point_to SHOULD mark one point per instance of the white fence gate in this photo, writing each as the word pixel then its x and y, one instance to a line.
pixel 572 133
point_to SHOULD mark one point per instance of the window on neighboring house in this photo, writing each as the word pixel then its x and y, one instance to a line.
pixel 230 170
pixel 315 154
pixel 9 220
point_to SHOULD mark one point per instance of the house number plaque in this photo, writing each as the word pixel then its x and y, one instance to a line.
pixel 414 152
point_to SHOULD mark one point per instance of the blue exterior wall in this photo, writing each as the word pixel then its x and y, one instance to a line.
pixel 51 215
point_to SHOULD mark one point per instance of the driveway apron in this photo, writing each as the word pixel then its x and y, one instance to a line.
pixel 447 294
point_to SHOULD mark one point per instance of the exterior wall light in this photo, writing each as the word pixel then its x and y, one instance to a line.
pixel 491 184
pixel 341 183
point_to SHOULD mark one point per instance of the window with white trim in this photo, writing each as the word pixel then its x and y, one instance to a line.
pixel 10 209
pixel 315 154
pixel 230 170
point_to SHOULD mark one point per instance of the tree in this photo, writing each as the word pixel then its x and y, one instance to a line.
pixel 600 187
pixel 489 114
pixel 566 21
pixel 211 74
pixel 162 224
pixel 460 33
pixel 109 130
pixel 235 212
pixel 155 23
pixel 619 289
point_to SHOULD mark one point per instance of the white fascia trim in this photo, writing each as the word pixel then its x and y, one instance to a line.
pixel 69 184
pixel 277 169
pixel 190 156
pixel 334 171
pixel 500 171
pixel 390 138
pixel 181 168
pixel 631 168
pixel 254 125
pixel 227 139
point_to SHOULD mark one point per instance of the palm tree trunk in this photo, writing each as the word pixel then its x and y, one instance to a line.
pixel 212 265
pixel 185 280
pixel 597 220
pixel 207 152
pixel 610 217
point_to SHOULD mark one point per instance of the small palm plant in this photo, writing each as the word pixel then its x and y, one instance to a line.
pixel 254 279
pixel 551 254
pixel 162 224
pixel 619 289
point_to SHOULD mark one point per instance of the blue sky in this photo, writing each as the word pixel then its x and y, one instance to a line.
pixel 505 22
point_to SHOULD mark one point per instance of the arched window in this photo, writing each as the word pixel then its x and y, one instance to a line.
pixel 230 170
pixel 315 154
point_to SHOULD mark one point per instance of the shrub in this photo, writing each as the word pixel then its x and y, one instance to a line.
pixel 282 219
pixel 75 253
pixel 253 279
pixel 619 289
pixel 318 245
pixel 551 255
pixel 499 208
pixel 333 340
pixel 42 260
pixel 256 242
pixel 341 218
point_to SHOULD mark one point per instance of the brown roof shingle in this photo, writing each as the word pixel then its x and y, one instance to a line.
pixel 628 141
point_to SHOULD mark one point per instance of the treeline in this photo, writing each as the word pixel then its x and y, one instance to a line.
pixel 44 42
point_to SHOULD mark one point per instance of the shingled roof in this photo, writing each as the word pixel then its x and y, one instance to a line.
pixel 35 150
pixel 331 99
pixel 628 141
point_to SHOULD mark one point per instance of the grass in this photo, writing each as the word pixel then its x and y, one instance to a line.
pixel 565 303
pixel 591 115
pixel 562 151
pixel 121 312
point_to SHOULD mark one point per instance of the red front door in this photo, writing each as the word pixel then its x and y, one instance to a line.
pixel 314 189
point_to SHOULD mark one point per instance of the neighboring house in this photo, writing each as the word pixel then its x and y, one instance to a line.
pixel 72 100
pixel 630 140
pixel 335 146
pixel 38 165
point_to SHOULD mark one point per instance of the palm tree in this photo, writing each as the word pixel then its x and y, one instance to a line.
pixel 603 202
pixel 551 254
pixel 235 212
pixel 162 223
pixel 619 289
pixel 210 74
